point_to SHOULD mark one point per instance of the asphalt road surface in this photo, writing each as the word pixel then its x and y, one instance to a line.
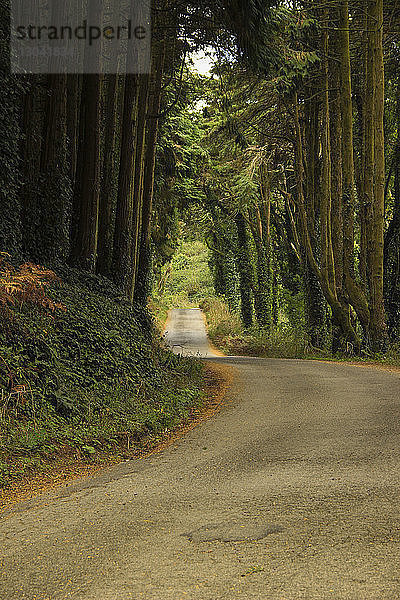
pixel 185 333
pixel 291 492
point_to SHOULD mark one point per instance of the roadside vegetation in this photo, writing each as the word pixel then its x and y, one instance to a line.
pixel 229 335
pixel 83 375
pixel 188 282
pixel 184 281
pixel 298 195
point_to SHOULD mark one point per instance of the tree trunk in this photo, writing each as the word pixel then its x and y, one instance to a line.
pixel 74 88
pixel 142 285
pixel 378 330
pixel 55 182
pixel 262 293
pixel 355 293
pixel 32 129
pixel 327 259
pixel 245 271
pixel 260 228
pixel 87 187
pixel 348 189
pixel 143 105
pixel 122 266
pixel 339 314
pixel 392 240
pixel 335 122
pixel 108 180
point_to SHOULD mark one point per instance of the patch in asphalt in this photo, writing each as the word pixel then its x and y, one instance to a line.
pixel 232 532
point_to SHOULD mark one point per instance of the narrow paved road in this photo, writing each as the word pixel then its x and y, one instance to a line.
pixel 185 333
pixel 291 492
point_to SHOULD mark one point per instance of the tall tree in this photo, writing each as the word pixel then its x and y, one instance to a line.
pixel 87 182
pixel 87 185
pixel 122 266
pixel 112 133
pixel 142 288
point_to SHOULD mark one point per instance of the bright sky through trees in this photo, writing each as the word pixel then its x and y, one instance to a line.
pixel 202 62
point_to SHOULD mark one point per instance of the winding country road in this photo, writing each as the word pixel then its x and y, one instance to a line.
pixel 291 492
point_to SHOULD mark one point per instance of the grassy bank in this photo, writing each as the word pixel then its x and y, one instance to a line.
pixel 85 381
pixel 227 333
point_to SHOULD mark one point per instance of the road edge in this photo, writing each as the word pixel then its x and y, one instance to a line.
pixel 218 380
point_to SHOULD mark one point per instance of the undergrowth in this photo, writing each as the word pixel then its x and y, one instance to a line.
pixel 286 340
pixel 84 380
pixel 227 333
pixel 184 282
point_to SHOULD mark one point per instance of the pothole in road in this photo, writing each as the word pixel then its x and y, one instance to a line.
pixel 232 532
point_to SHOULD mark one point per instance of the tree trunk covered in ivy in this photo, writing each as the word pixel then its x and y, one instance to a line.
pixel 142 287
pixel 109 175
pixel 262 294
pixel 340 315
pixel 10 182
pixel 392 239
pixel 223 259
pixel 55 186
pixel 275 297
pixel 32 120
pixel 315 309
pixel 121 264
pixel 139 175
pixel 260 229
pixel 74 89
pixel 245 270
pixel 87 185
pixel 230 276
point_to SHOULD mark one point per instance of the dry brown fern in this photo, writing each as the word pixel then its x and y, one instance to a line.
pixel 26 284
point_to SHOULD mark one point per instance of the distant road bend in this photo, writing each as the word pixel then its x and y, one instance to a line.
pixel 291 492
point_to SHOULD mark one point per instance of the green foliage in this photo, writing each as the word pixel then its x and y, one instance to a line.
pixel 52 234
pixel 185 281
pixel 222 322
pixel 226 331
pixel 223 244
pixel 86 377
pixel 263 291
pixel 297 68
pixel 180 159
pixel 245 272
pixel 258 26
pixel 292 310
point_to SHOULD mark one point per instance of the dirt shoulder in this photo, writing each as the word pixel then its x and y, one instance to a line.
pixel 370 364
